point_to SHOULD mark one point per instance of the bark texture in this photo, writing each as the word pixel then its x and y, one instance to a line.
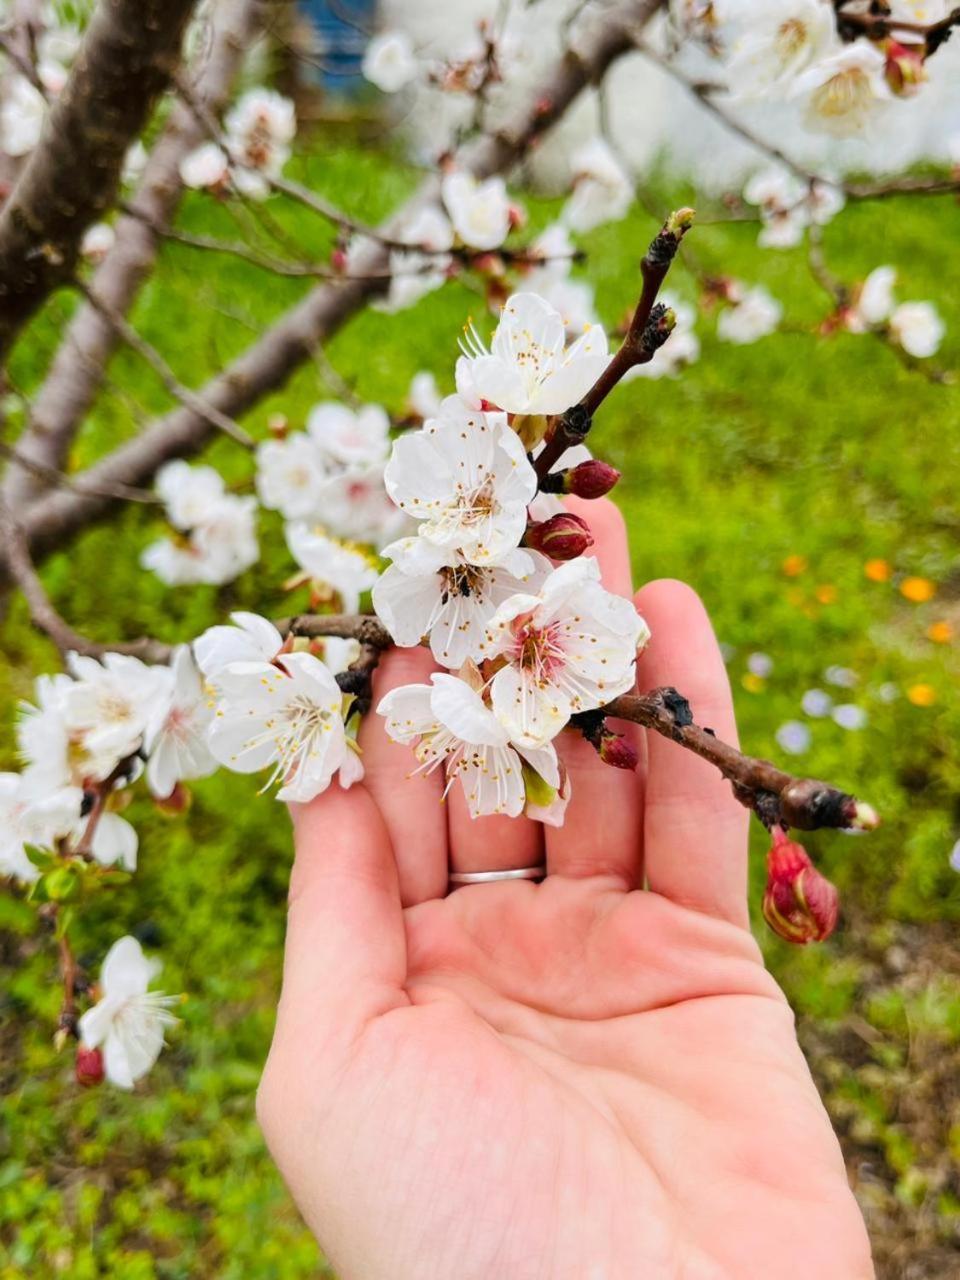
pixel 125 61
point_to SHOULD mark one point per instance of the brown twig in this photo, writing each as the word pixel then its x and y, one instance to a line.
pixel 646 333
pixel 44 614
pixel 189 399
pixel 54 476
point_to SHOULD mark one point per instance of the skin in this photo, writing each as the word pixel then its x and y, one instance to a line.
pixel 593 1077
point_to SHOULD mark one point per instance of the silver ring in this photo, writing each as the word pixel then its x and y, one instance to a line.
pixel 487 877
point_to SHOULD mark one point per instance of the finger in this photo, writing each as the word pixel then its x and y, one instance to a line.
pixel 411 807
pixel 345 954
pixel 695 832
pixel 496 843
pixel 602 830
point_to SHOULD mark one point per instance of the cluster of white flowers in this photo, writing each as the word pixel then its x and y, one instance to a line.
pixel 526 644
pixel 788 205
pixel 97 727
pixel 214 532
pixel 752 313
pixel 915 326
pixel 257 133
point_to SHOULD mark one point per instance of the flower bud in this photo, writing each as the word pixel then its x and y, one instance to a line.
pixel 861 816
pixel 617 750
pixel 904 70
pixel 338 259
pixel 89 1066
pixel 799 903
pixel 562 537
pixel 591 479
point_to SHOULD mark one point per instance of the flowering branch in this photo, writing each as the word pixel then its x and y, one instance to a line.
pixel 270 360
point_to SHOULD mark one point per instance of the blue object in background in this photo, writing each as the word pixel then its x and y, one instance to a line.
pixel 342 27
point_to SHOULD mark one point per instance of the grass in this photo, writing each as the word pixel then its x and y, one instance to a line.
pixel 767 476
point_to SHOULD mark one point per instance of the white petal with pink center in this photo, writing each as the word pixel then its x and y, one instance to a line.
pixel 176 735
pixel 290 476
pixel 351 437
pixel 466 477
pixel 286 716
pixel 451 726
pixel 570 647
pixel 422 595
pixel 529 368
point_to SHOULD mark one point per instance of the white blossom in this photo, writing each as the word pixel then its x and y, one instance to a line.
pixel 359 437
pixel 28 816
pixel 555 250
pixel 290 475
pixel 97 241
pixel 175 735
pixel 918 328
pixel 187 492
pixel 110 704
pixel 345 570
pixel 569 647
pixel 602 190
pixel 783 37
pixel 205 168
pixel 219 538
pixel 250 640
pixel 286 716
pixel 875 300
pixel 22 113
pixel 754 314
pixel 844 91
pixel 389 61
pixel 574 301
pixel 529 368
pixel 421 594
pixel 128 1021
pixel 480 211
pixel 451 726
pixel 54 756
pixel 115 840
pixel 417 271
pixel 466 478
pixel 354 505
pixel 424 397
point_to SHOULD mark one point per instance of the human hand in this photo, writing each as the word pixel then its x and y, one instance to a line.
pixel 579 1078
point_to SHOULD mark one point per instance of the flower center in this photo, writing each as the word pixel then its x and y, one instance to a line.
pixel 461 580
pixel 538 651
pixel 790 38
pixel 846 92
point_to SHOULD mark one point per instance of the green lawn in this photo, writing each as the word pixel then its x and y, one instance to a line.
pixel 767 476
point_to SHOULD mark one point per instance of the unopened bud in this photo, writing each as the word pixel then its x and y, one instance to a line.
pixel 338 259
pixel 591 479
pixel 517 215
pixel 662 322
pixel 615 749
pixel 278 426
pixel 861 816
pixel 89 1066
pixel 562 537
pixel 799 903
pixel 905 70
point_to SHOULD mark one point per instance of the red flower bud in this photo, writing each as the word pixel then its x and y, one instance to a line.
pixel 591 479
pixel 904 70
pixel 517 215
pixel 89 1066
pixel 799 903
pixel 562 537
pixel 615 749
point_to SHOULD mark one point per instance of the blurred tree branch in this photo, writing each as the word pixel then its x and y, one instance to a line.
pixel 129 51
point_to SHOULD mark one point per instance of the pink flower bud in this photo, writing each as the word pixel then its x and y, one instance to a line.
pixel 591 479
pixel 615 749
pixel 517 216
pixel 338 259
pixel 89 1066
pixel 799 903
pixel 562 537
pixel 904 70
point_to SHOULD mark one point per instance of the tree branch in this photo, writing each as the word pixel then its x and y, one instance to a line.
pixel 268 363
pixel 124 63
pixel 76 374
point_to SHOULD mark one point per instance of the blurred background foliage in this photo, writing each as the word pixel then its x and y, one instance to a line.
pixel 798 484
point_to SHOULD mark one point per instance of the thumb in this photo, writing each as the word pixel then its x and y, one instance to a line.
pixel 345 955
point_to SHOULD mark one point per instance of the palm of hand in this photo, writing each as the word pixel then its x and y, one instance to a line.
pixel 571 1079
